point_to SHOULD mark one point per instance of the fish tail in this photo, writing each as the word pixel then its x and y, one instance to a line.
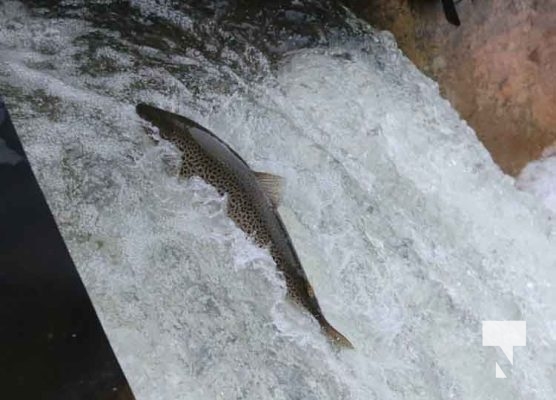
pixel 335 336
pixel 451 12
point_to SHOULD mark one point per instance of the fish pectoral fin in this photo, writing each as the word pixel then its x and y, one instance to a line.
pixel 271 185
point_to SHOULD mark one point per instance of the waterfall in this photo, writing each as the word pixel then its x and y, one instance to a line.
pixel 409 233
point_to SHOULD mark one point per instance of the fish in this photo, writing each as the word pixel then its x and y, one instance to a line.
pixel 450 12
pixel 252 200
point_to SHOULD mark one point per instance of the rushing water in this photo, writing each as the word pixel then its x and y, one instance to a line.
pixel 409 233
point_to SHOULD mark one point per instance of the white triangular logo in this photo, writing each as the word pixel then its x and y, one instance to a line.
pixel 499 373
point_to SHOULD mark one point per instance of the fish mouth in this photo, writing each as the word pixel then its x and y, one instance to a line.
pixel 148 113
pixel 162 120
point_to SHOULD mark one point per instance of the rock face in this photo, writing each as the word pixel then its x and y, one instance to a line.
pixel 498 68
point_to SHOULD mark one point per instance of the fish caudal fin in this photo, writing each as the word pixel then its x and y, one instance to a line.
pixel 451 12
pixel 335 336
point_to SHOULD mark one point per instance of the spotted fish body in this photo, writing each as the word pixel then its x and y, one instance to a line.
pixel 250 206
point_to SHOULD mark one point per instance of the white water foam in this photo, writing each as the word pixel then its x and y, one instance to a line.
pixel 539 178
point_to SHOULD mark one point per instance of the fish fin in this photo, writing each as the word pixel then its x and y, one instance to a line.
pixel 336 337
pixel 272 186
pixel 451 12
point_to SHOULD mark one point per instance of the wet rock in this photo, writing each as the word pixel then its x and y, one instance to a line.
pixel 497 68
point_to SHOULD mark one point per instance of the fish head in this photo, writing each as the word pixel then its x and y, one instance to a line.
pixel 163 120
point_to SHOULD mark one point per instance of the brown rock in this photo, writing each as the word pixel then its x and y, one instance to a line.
pixel 498 68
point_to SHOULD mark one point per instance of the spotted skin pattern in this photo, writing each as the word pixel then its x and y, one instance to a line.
pixel 239 208
pixel 195 162
pixel 247 206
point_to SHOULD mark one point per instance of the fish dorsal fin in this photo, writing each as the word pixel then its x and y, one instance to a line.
pixel 271 185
